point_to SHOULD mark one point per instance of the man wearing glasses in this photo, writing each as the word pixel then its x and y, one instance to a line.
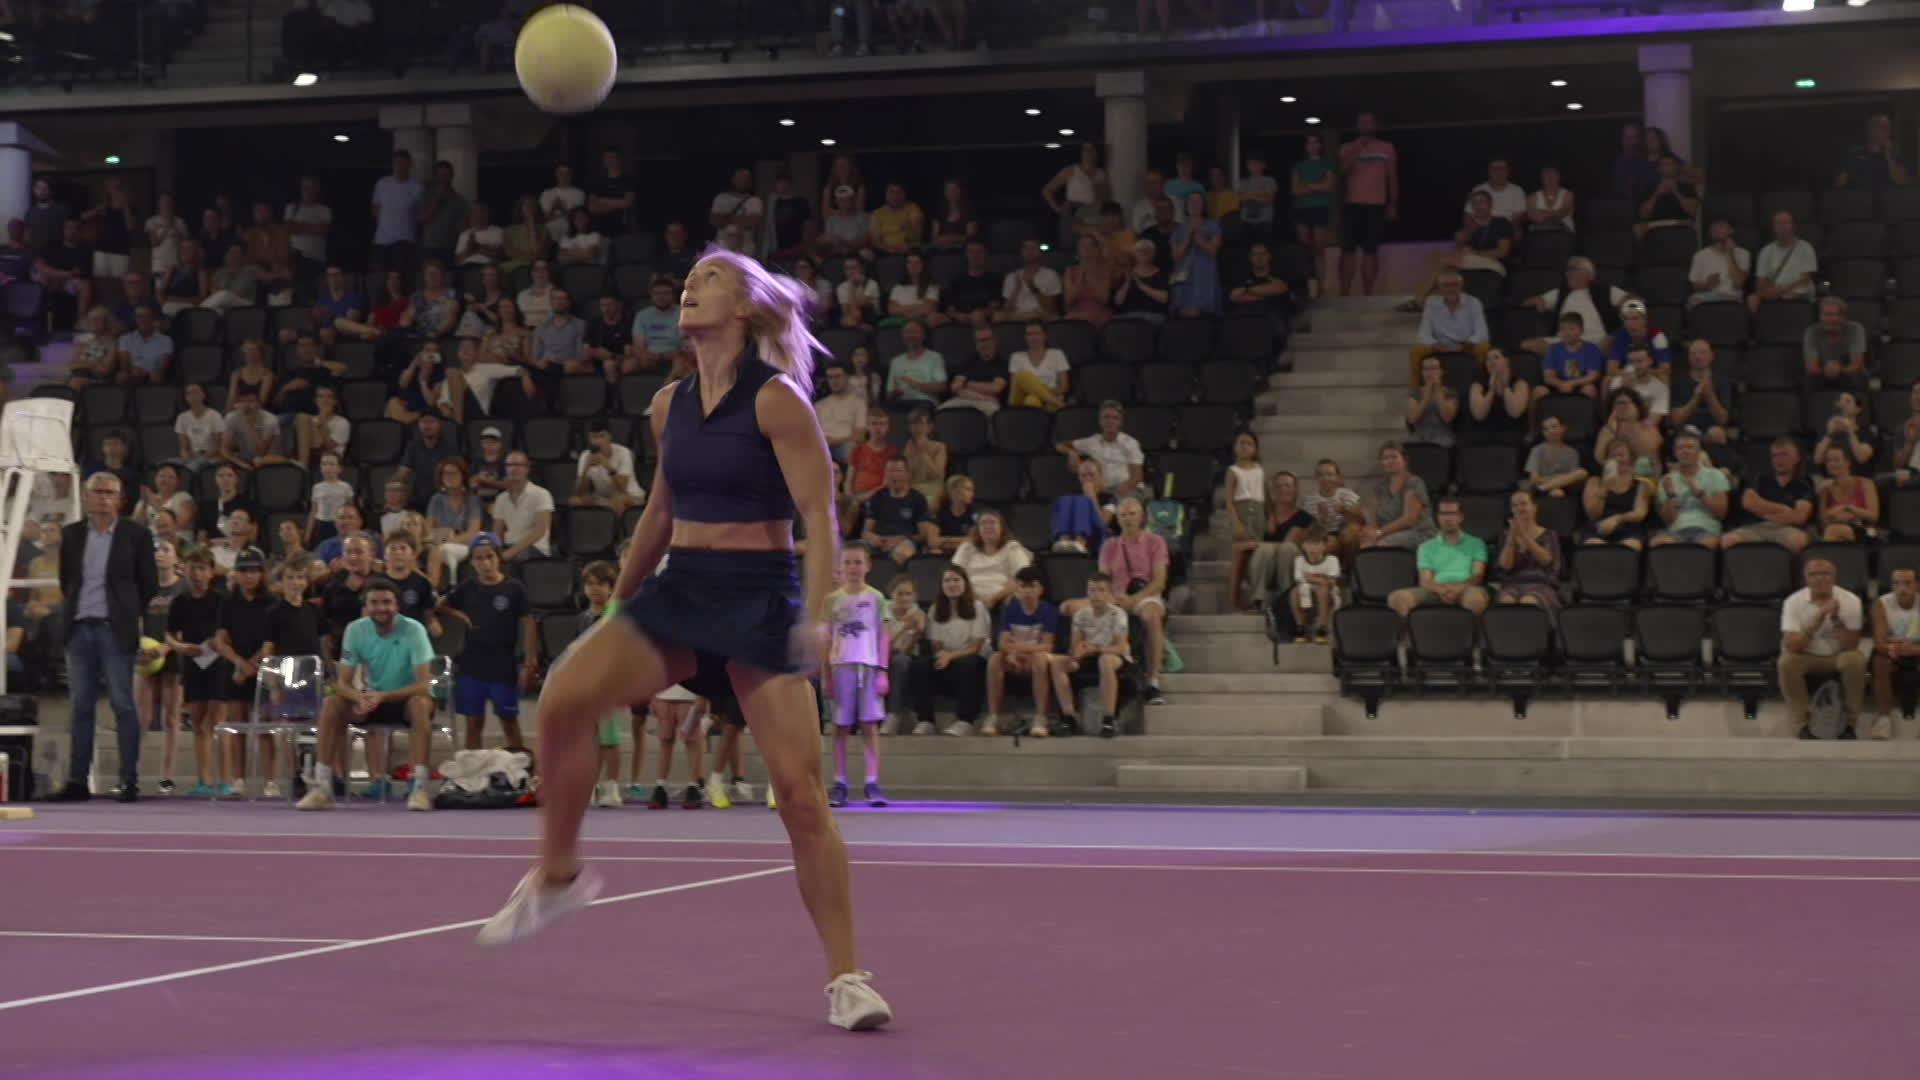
pixel 107 577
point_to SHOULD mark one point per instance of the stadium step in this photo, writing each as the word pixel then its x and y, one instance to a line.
pixel 1224 714
pixel 1321 380
pixel 1384 421
pixel 1237 779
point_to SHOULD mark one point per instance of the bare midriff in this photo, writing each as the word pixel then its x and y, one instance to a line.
pixel 733 535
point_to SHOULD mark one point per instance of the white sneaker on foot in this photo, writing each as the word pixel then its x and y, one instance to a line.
pixel 318 797
pixel 891 725
pixel 1882 727
pixel 420 798
pixel 960 727
pixel 534 906
pixel 991 727
pixel 924 727
pixel 854 1004
pixel 742 792
pixel 272 790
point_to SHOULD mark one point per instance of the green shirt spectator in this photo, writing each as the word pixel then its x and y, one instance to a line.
pixel 389 659
pixel 1452 563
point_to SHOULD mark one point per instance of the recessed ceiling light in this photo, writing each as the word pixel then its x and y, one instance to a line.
pixel 1557 83
pixel 1053 146
pixel 113 159
pixel 1574 106
pixel 1805 84
pixel 305 78
pixel 1796 5
pixel 826 142
pixel 1033 112
pixel 786 121
pixel 1313 119
pixel 342 137
pixel 1046 247
pixel 1066 133
pixel 1288 99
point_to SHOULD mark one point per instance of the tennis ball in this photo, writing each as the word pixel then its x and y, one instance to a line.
pixel 566 60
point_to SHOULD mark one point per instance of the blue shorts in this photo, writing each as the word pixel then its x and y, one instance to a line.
pixel 471 695
pixel 722 606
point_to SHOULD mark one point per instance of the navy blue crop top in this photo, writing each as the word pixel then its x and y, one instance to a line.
pixel 719 467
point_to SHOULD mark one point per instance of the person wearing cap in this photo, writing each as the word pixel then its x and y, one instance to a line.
pixel 385 681
pixel 244 641
pixel 490 468
pixel 1637 332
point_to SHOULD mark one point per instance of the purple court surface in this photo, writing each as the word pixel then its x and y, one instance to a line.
pixel 222 942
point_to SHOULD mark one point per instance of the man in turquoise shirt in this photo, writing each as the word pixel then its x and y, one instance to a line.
pixel 1453 567
pixel 385 681
pixel 919 373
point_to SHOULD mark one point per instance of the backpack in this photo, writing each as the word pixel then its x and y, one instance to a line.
pixel 1827 711
pixel 1167 516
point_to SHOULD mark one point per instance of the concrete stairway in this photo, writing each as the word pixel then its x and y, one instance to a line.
pixel 218 56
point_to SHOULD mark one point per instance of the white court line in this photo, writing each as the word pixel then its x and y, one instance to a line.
pixel 1402 871
pixel 996 846
pixel 175 937
pixel 346 946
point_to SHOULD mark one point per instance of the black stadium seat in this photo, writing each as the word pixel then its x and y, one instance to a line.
pixel 1901 513
pixel 1207 429
pixel 1074 337
pixel 280 488
pixel 1842 205
pixel 376 442
pixel 1432 463
pixel 582 396
pixel 1022 431
pixel 1229 382
pixel 548 438
pixel 963 429
pixel 1075 422
pixel 1746 647
pixel 1127 341
pixel 996 477
pixel 1366 653
pixel 549 583
pixel 592 532
pixel 1852 564
pixel 1756 572
pixel 1186 341
pixel 1678 573
pixel 1484 469
pixel 1768 414
pixel 558 629
pixel 1165 383
pixel 1440 641
pixel 362 400
pixel 1067 574
pixel 1724 325
pixel 1377 572
pixel 1516 648
pixel 1592 641
pixel 1573 410
pixel 1485 516
pixel 1096 383
pixel 1248 339
pixel 1782 322
pixel 1667 641
pixel 1032 524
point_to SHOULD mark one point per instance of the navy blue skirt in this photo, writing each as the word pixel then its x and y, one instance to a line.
pixel 722 606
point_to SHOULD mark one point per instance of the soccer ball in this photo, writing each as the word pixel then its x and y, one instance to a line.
pixel 565 59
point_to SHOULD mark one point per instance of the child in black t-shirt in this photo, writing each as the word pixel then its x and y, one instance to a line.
pixel 243 639
pixel 498 619
pixel 293 624
pixel 411 588
pixel 192 624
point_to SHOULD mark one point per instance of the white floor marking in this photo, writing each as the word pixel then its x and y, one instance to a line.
pixel 345 946
pixel 175 937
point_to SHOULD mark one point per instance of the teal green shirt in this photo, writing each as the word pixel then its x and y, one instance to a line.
pixel 1692 498
pixel 1312 171
pixel 390 658
pixel 1452 564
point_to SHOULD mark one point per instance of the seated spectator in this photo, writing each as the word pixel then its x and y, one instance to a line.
pixel 1262 293
pixel 1506 199
pixel 1597 302
pixel 983 381
pixel 164 231
pixel 1874 165
pixel 857 290
pixel 1674 200
pixel 1528 567
pixel 1896 643
pixel 235 284
pixel 1029 629
pixel 422 387
pixel 1835 348
pixel 1644 380
pixel 845 228
pixel 607 475
pixel 918 374
pixel 337 300
pixel 1636 332
pixel 1847 429
pixel 1780 502
pixel 65 270
pixel 789 232
pixel 926 457
pixel 1551 206
pixel 1452 564
pixel 1277 543
pixel 1144 291
pixel 385 680
pixel 1786 267
pixel 677 257
pixel 899 225
pixel 1451 322
pixel 1099 651
pixel 481 243
pixel 329 496
pixel 201 430
pixel 991 556
pixel 1617 503
pixel 1116 237
pixel 1222 198
pixel 432 443
pixel 252 436
pixel 959 631
pixel 1159 232
pixel 385 318
pixel 1849 504
pixel 117 458
pixel 1820 629
pixel 324 431
pixel 528 238
pixel 1082 519
pixel 898 522
pixel 1033 290
pixel 1402 514
pixel 435 309
pixel 454 518
pixel 489 476
pixel 523 513
pixel 239 534
pixel 1196 261
pixel 867 461
pixel 1484 241
pixel 916 298
pixel 1702 396
pixel 1629 421
pixel 167 494
pixel 1088 284
pixel 583 246
pixel 558 347
pixel 807 273
pixel 974 294
pixel 336 552
pixel 1122 463
pixel 1720 270
pixel 655 335
pixel 1335 507
pixel 145 354
pixel 138 288
pixel 609 340
pixel 1315 590
pixel 1573 365
pixel 1041 375
pixel 842 413
pixel 1693 497
pixel 953 525
pixel 396 517
pixel 96 351
pixel 1432 406
pixel 252 374
pixel 536 300
pixel 1553 468
pixel 1498 405
pixel 1139 563
pixel 270 253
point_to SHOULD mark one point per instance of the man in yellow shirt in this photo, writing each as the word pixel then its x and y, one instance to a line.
pixel 898 226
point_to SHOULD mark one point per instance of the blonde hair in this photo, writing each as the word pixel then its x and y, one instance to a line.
pixel 780 310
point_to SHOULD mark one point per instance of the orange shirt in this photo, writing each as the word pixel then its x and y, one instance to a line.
pixel 870 465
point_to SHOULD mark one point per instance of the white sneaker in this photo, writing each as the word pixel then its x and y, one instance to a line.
pixel 960 727
pixel 533 907
pixel 716 792
pixel 742 792
pixel 606 795
pixel 318 797
pixel 924 727
pixel 420 798
pixel 272 790
pixel 991 727
pixel 891 725
pixel 1882 727
pixel 854 1004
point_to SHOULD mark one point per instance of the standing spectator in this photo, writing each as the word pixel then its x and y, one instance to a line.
pixel 523 512
pixel 613 197
pixel 1196 255
pixel 308 223
pixel 1702 396
pixel 1077 192
pixel 956 224
pixel 1896 644
pixel 217 234
pixel 1875 165
pixel 843 414
pixel 1185 182
pixel 1370 172
pixel 1452 564
pixel 1674 200
pixel 1314 182
pixel 1450 322
pixel 481 243
pixel 1497 405
pixel 46 216
pixel 1040 375
pixel 107 578
pixel 1258 193
pixel 1820 629
pixel 1160 231
pixel 1835 348
pixel 738 206
pixel 443 214
pixel 145 354
pixel 1550 207
pixel 1529 561
pixel 1033 291
pixel 270 254
pixel 898 226
pixel 113 229
pixel 1432 406
pixel 1139 563
pixel 499 625
pixel 789 228
pixel 64 268
pixel 1693 497
pixel 527 238
pixel 396 215
pixel 1246 494
pixel 1719 271
pixel 1122 463
pixel 1402 510
pixel 919 374
pixel 982 382
pixel 974 293
pixel 1779 502
pixel 1786 267
pixel 1089 282
pixel 165 229
pixel 607 476
pixel 1617 503
pixel 1849 504
pixel 557 204
pixel 1145 210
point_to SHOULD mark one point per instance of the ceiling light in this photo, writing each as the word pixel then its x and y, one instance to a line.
pixel 305 78
pixel 342 137
pixel 1856 3
pixel 826 142
pixel 786 121
pixel 1804 84
pixel 1033 112
pixel 1053 146
pixel 1574 106
pixel 1288 99
pixel 113 159
pixel 1046 247
pixel 1796 5
pixel 1066 133
pixel 1557 83
pixel 1313 119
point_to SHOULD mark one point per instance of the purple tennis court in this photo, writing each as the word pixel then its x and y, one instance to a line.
pixel 1013 941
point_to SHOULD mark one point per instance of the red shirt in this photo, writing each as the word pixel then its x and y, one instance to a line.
pixel 870 465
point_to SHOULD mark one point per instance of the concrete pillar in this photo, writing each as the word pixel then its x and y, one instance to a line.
pixel 17 147
pixel 1228 143
pixel 408 126
pixel 1667 74
pixel 1125 96
pixel 453 143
